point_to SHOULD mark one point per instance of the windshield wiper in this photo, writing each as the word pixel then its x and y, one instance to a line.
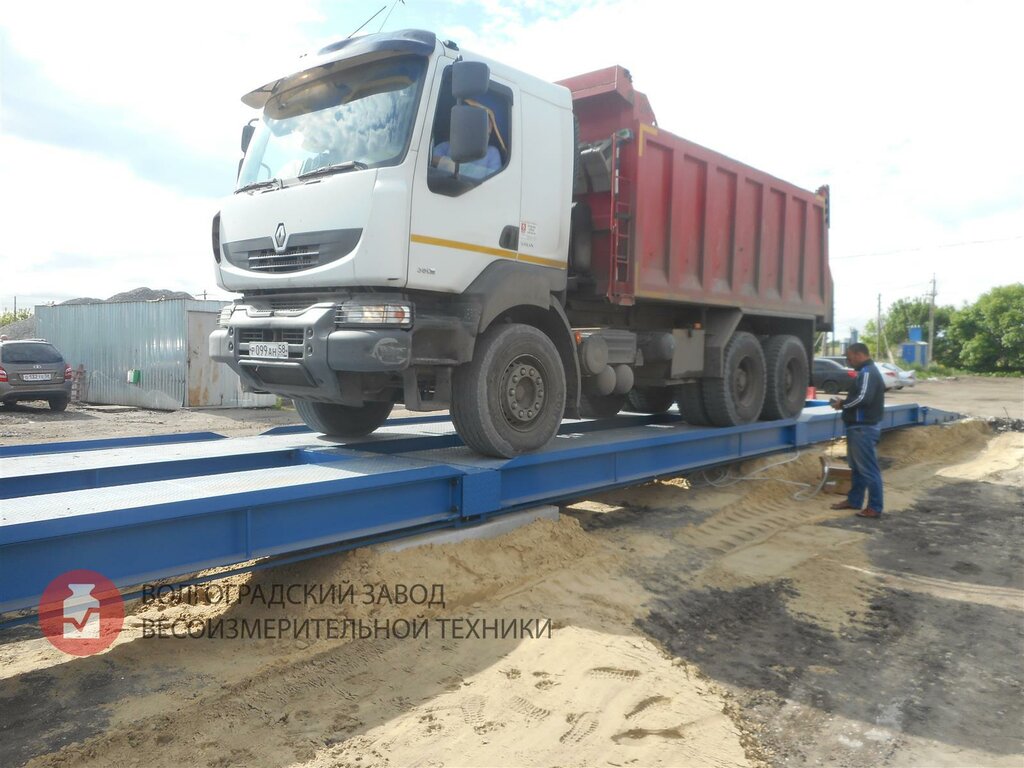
pixel 261 185
pixel 348 165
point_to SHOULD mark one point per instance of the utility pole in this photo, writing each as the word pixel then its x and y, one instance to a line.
pixel 878 327
pixel 931 323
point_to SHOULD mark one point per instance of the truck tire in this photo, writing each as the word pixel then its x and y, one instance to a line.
pixel 510 398
pixel 736 398
pixel 600 406
pixel 650 399
pixel 343 420
pixel 787 377
pixel 690 400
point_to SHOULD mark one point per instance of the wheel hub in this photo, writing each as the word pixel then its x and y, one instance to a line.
pixel 522 387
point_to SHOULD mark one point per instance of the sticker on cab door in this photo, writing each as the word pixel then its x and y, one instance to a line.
pixel 527 235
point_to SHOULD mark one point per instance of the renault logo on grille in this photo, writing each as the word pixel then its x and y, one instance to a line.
pixel 280 236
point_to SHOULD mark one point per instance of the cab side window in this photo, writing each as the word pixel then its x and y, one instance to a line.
pixel 444 176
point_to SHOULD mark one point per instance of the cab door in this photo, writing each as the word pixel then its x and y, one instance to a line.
pixel 462 222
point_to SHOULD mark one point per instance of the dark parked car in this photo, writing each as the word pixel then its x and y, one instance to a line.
pixel 33 369
pixel 830 377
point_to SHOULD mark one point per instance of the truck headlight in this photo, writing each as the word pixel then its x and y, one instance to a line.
pixel 225 315
pixel 391 314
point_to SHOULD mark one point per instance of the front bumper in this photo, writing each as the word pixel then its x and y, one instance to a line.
pixel 317 351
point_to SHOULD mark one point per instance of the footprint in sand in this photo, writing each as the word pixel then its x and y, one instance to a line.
pixel 614 673
pixel 647 704
pixel 582 727
pixel 530 711
pixel 635 734
pixel 473 710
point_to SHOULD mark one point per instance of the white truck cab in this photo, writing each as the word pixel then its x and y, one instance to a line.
pixel 397 196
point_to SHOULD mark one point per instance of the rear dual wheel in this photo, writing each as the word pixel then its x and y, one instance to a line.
pixel 787 377
pixel 738 395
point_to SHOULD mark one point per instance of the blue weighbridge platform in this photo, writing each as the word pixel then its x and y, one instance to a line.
pixel 142 509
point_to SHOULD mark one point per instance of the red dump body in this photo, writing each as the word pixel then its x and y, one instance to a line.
pixel 680 223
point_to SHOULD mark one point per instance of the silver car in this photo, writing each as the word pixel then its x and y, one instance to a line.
pixel 904 378
pixel 33 369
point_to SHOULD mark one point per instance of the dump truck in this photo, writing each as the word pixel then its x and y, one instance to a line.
pixel 414 223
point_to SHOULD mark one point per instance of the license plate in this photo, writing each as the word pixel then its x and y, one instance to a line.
pixel 277 349
pixel 35 376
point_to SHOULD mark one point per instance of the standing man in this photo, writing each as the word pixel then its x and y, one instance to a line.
pixel 862 413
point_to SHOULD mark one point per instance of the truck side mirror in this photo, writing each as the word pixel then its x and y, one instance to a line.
pixel 247 131
pixel 470 132
pixel 470 79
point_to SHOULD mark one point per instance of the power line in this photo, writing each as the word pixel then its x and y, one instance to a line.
pixel 389 14
pixel 382 8
pixel 929 248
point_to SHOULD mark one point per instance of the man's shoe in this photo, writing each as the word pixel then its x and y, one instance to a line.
pixel 869 512
pixel 843 505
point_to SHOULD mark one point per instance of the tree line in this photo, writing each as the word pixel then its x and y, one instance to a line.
pixel 986 336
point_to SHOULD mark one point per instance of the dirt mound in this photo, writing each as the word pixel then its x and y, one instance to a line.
pixel 21 329
pixel 135 294
pixel 471 571
pixel 595 690
pixel 81 300
pixel 148 294
pixel 942 443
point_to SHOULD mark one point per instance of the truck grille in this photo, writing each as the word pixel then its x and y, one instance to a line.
pixel 295 305
pixel 293 336
pixel 246 336
pixel 292 260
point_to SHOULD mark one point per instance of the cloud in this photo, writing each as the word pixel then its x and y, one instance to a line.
pixel 174 70
pixel 97 232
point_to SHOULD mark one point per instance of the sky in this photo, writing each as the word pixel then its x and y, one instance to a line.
pixel 120 122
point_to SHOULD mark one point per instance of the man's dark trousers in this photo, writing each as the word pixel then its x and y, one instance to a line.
pixel 861 442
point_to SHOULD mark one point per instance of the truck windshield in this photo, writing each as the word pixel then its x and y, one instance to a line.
pixel 362 115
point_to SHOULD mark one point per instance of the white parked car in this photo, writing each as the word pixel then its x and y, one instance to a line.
pixel 903 378
pixel 891 378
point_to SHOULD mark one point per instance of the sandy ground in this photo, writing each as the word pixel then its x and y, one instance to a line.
pixel 698 621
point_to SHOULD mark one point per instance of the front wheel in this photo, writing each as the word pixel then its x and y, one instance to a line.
pixel 343 420
pixel 690 400
pixel 510 398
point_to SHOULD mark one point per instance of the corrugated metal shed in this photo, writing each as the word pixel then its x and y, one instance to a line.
pixel 166 341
